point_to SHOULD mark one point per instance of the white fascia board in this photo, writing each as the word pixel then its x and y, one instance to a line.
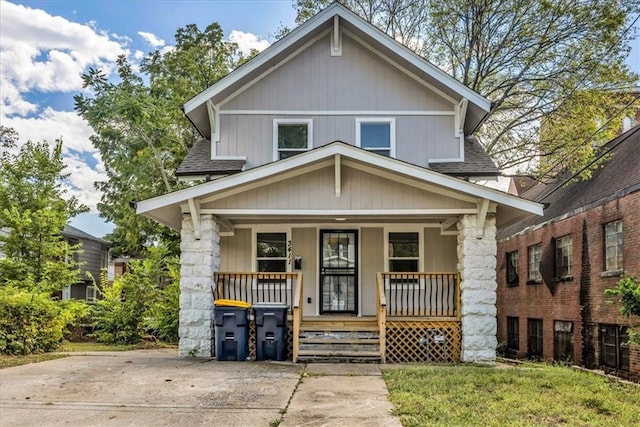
pixel 310 25
pixel 345 150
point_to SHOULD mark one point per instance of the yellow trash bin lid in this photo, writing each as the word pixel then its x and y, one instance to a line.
pixel 231 303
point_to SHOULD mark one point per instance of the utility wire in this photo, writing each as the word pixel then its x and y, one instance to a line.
pixel 598 157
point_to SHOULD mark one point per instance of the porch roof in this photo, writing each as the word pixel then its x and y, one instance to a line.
pixel 468 197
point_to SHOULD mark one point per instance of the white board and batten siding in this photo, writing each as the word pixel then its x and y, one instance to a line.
pixel 333 92
pixel 316 191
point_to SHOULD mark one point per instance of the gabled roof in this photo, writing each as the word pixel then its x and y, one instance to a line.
pixel 196 108
pixel 76 233
pixel 617 177
pixel 166 209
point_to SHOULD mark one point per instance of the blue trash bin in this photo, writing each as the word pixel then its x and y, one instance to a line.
pixel 231 332
pixel 271 331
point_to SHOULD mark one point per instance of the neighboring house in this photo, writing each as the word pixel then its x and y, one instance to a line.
pixel 93 257
pixel 553 270
pixel 335 168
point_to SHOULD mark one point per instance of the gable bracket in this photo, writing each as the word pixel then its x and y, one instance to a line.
pixel 483 208
pixel 461 115
pixel 338 175
pixel 336 38
pixel 214 122
pixel 194 210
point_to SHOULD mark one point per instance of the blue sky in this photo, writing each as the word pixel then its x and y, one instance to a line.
pixel 46 45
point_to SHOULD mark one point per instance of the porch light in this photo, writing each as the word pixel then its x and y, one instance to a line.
pixel 341 219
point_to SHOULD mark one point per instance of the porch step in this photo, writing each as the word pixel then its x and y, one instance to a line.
pixel 339 341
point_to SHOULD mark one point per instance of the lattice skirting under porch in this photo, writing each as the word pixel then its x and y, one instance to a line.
pixel 423 341
pixel 252 340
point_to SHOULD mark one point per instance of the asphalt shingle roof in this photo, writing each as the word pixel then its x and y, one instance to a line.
pixel 476 162
pixel 198 162
pixel 617 176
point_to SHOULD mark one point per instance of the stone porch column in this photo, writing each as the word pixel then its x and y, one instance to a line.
pixel 199 259
pixel 477 268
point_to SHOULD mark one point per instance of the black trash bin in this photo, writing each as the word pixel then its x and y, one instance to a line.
pixel 271 331
pixel 231 332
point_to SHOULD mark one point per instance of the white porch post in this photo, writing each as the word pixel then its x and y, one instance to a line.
pixel 477 268
pixel 199 259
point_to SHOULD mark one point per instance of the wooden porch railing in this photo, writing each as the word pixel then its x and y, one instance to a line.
pixel 421 294
pixel 297 317
pixel 257 287
pixel 381 314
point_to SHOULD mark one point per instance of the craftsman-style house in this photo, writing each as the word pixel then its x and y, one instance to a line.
pixel 335 174
pixel 553 270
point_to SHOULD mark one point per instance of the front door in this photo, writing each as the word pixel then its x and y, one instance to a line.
pixel 338 271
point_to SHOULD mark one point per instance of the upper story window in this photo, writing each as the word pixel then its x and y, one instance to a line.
pixel 291 137
pixel 377 135
pixel 535 258
pixel 512 268
pixel 613 246
pixel 564 257
pixel 271 252
pixel 404 252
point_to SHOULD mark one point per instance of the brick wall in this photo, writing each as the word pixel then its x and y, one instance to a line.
pixel 552 300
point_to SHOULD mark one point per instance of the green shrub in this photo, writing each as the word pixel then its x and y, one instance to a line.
pixel 136 302
pixel 32 322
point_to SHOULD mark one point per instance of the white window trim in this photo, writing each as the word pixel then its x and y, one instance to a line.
pixel 298 121
pixel 269 229
pixel 90 293
pixel 392 131
pixel 407 229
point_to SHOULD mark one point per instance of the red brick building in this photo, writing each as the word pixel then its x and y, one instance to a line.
pixel 553 270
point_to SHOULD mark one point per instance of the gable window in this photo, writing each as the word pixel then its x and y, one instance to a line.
pixel 534 338
pixel 271 252
pixel 377 135
pixel 291 137
pixel 404 252
pixel 535 257
pixel 564 257
pixel 613 246
pixel 513 333
pixel 512 268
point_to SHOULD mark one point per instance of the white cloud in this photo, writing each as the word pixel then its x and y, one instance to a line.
pixel 152 39
pixel 248 41
pixel 47 53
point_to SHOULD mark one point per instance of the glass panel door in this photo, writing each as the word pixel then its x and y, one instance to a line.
pixel 338 271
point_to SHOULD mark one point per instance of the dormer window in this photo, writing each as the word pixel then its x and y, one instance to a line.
pixel 291 137
pixel 377 135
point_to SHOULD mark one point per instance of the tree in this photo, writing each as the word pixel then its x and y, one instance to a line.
pixel 628 291
pixel 537 61
pixel 140 132
pixel 34 210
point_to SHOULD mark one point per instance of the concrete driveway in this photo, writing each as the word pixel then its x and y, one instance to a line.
pixel 155 388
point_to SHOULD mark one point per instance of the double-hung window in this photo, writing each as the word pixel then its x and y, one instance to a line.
pixel 513 333
pixel 271 252
pixel 377 135
pixel 291 137
pixel 613 246
pixel 564 257
pixel 512 268
pixel 535 257
pixel 404 252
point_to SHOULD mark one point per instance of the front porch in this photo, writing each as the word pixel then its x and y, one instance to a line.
pixel 417 317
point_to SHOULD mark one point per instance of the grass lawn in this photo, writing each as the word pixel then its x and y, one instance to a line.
pixel 74 347
pixel 528 395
